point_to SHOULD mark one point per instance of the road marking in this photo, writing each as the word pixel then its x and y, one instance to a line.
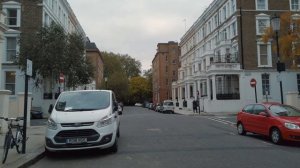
pixel 154 129
pixel 221 121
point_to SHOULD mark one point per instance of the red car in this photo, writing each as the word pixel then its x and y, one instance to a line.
pixel 279 122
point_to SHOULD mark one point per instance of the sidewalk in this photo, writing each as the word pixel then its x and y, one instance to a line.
pixel 185 111
pixel 34 149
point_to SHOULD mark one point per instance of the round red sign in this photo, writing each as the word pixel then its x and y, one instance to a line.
pixel 61 78
pixel 252 82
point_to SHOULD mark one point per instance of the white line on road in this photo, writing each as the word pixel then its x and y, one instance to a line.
pixel 221 121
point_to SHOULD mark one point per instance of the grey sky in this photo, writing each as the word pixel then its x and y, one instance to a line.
pixel 134 27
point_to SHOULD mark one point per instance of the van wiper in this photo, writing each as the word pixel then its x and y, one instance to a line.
pixel 83 109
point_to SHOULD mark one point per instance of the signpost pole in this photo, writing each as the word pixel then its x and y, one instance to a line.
pixel 253 84
pixel 255 94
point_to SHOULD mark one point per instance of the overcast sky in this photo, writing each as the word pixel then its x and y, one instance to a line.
pixel 134 27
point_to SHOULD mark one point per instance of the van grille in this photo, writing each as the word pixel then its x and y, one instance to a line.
pixel 90 134
pixel 77 124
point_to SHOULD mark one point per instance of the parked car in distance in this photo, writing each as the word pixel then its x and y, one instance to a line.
pixel 36 112
pixel 151 106
pixel 158 107
pixel 83 120
pixel 168 106
pixel 277 121
pixel 138 104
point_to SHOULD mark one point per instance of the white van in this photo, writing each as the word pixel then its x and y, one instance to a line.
pixel 83 120
pixel 168 106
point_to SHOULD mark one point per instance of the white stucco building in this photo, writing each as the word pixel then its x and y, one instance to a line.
pixel 222 51
pixel 29 16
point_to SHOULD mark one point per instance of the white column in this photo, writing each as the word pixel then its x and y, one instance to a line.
pixel 214 87
pixel 195 89
pixel 186 91
pixel 4 109
pixel 208 88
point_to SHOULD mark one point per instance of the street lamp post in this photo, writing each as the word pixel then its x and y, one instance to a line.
pixel 275 21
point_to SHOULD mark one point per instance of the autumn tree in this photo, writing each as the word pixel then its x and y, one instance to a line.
pixel 139 89
pixel 289 38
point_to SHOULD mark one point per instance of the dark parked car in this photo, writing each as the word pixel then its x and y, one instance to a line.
pixel 36 112
pixel 279 122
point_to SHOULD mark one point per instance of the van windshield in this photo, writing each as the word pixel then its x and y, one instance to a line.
pixel 83 101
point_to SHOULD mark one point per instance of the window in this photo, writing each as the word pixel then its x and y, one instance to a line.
pixel 258 108
pixel 203 88
pixel 167 68
pixel 12 10
pixel 298 83
pixel 264 55
pixel 233 6
pixel 224 13
pixel 216 18
pixel 46 20
pixel 10 81
pixel 261 4
pixel 265 83
pixel 295 4
pixel 261 25
pixel 248 109
pixel 227 87
pixel 11 48
pixel 233 29
pixel 12 17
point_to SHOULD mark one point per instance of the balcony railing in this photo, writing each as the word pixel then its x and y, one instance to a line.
pixel 227 58
pixel 224 62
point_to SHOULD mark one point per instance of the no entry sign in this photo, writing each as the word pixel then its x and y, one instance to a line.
pixel 252 82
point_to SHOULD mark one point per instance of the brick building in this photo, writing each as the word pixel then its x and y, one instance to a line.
pixel 223 51
pixel 26 17
pixel 95 58
pixel 165 68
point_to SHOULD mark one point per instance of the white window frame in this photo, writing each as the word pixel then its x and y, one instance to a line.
pixel 269 56
pixel 13 5
pixel 13 92
pixel 5 49
pixel 233 6
pixel 298 5
pixel 266 5
pixel 259 18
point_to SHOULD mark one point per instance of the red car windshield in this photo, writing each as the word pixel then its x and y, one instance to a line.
pixel 284 110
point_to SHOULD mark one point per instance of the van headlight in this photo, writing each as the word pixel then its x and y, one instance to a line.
pixel 291 126
pixel 104 122
pixel 51 124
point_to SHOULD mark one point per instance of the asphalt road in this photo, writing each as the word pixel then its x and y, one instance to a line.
pixel 154 140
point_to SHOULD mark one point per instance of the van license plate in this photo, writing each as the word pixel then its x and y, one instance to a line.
pixel 76 140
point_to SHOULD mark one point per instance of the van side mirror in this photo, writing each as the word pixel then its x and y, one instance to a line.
pixel 50 108
pixel 115 108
